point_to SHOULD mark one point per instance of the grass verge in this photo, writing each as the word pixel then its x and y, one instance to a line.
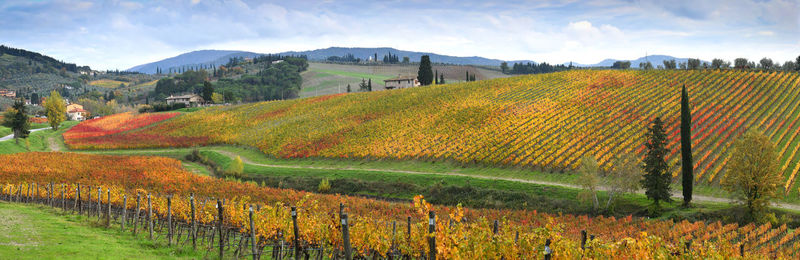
pixel 40 232
pixel 38 141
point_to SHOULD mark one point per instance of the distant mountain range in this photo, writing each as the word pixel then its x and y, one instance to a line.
pixel 220 57
pixel 208 58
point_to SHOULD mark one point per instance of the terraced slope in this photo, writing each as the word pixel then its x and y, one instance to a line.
pixel 544 121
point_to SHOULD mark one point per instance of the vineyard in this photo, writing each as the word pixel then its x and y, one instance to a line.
pixel 545 122
pixel 97 184
pixel 99 133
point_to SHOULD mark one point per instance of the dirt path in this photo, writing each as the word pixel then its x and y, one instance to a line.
pixel 53 144
pixel 677 194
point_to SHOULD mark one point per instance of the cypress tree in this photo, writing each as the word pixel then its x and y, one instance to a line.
pixel 436 77
pixel 441 78
pixel 656 178
pixel 686 148
pixel 425 73
pixel 467 78
pixel 369 84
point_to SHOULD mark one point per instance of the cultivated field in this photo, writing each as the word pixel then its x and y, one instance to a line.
pixel 108 83
pixel 543 122
pixel 328 78
pixel 461 233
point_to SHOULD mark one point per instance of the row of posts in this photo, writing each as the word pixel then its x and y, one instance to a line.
pixel 220 209
pixel 78 203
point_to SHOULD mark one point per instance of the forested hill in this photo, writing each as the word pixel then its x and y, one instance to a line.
pixel 209 58
pixel 35 61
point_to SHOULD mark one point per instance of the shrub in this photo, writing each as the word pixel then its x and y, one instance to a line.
pixel 324 186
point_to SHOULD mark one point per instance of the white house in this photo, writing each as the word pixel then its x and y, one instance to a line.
pixel 75 112
pixel 401 82
pixel 189 100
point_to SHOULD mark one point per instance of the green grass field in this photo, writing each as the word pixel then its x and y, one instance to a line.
pixel 37 141
pixel 39 232
pixel 107 83
pixel 327 78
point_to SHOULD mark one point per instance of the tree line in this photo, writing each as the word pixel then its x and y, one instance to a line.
pixel 43 59
pixel 738 63
pixel 280 80
pixel 532 68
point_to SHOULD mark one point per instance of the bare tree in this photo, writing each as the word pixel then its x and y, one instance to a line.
pixel 625 178
pixel 589 179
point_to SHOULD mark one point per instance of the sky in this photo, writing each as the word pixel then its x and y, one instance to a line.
pixel 123 34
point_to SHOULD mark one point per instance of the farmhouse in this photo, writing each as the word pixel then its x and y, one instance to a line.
pixel 189 100
pixel 75 112
pixel 8 93
pixel 401 82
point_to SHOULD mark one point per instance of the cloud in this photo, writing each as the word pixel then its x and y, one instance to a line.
pixel 766 33
pixel 586 33
pixel 121 34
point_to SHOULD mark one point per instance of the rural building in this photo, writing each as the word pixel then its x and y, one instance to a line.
pixel 401 82
pixel 188 100
pixel 75 112
pixel 73 107
pixel 8 93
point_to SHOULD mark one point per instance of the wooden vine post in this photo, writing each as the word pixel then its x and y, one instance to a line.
pixel 99 209
pixel 136 215
pixel 219 227
pixel 124 211
pixel 253 239
pixel 432 234
pixel 108 213
pixel 150 216
pixel 78 200
pixel 296 234
pixel 169 220
pixel 583 239
pixel 194 223
pixel 346 238
pixel 63 203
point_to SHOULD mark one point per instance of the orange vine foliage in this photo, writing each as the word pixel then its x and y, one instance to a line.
pixel 548 120
pixel 461 233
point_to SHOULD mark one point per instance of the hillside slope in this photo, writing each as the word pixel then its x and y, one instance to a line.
pixel 546 121
pixel 192 59
pixel 331 78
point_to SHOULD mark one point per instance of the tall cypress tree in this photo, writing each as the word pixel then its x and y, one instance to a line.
pixel 436 77
pixel 656 178
pixel 686 148
pixel 425 73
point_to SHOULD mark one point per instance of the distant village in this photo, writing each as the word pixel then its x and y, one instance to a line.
pixel 75 112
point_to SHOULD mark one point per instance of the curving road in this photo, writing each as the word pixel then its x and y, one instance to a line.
pixel 11 136
pixel 676 194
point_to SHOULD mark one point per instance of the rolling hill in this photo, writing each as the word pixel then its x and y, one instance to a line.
pixel 331 78
pixel 192 59
pixel 546 121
